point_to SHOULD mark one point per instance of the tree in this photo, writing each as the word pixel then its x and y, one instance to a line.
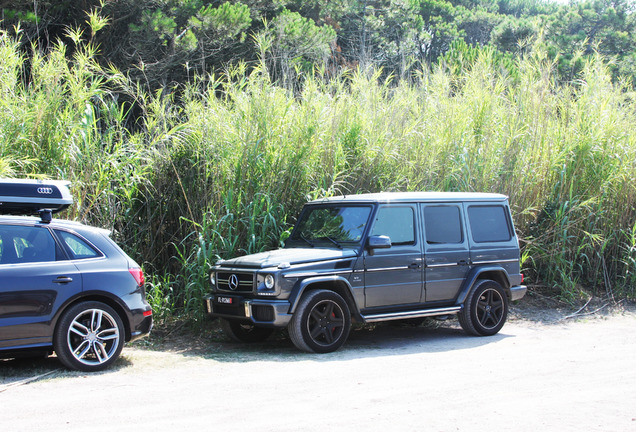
pixel 187 33
pixel 606 26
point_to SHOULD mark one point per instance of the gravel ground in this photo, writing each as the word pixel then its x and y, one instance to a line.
pixel 538 373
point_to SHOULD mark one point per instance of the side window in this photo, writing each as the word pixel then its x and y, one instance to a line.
pixel 442 224
pixel 397 223
pixel 26 244
pixel 489 224
pixel 78 247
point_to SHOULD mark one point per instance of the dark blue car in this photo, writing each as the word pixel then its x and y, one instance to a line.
pixel 64 286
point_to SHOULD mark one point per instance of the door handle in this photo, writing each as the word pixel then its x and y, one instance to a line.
pixel 463 262
pixel 415 266
pixel 63 280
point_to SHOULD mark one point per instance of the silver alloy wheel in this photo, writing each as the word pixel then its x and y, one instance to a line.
pixel 93 337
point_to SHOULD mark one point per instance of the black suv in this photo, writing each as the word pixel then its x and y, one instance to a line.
pixel 375 257
pixel 64 286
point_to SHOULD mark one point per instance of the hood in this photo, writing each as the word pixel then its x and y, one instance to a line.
pixel 291 256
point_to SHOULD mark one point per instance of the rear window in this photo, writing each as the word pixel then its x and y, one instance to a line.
pixel 442 224
pixel 79 248
pixel 489 224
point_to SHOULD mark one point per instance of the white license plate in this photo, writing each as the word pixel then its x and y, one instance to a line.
pixel 225 300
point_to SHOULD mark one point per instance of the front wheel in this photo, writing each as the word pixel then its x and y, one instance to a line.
pixel 485 309
pixel 243 331
pixel 89 337
pixel 321 323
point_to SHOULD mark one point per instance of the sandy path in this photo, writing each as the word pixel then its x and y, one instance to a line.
pixel 575 376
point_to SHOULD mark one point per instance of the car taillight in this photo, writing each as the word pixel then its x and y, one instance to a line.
pixel 138 274
pixel 522 278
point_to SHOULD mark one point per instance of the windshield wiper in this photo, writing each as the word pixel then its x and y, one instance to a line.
pixel 302 237
pixel 333 241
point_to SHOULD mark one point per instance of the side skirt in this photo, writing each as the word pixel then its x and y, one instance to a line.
pixel 411 314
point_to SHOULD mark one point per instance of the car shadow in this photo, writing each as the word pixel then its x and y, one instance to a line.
pixel 25 370
pixel 364 342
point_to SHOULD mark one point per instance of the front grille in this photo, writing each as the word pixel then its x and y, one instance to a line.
pixel 242 282
pixel 263 313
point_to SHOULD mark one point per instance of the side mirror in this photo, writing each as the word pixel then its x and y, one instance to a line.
pixel 378 242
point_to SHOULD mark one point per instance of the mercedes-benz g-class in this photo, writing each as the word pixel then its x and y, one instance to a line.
pixel 375 257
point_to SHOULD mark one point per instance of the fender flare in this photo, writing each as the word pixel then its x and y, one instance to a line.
pixel 500 276
pixel 341 285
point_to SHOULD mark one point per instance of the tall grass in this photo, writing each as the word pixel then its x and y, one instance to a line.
pixel 221 166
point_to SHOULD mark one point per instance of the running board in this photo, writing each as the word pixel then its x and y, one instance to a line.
pixel 411 314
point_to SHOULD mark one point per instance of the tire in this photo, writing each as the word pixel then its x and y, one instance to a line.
pixel 485 309
pixel 89 337
pixel 321 322
pixel 243 331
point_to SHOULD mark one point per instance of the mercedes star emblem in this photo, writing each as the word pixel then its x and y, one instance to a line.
pixel 233 283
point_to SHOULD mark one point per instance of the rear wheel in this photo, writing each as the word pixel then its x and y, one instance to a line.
pixel 321 323
pixel 485 309
pixel 89 337
pixel 243 331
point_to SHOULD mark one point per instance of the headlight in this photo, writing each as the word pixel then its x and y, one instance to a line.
pixel 212 278
pixel 269 281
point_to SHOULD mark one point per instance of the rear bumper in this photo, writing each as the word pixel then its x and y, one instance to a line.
pixel 274 313
pixel 143 329
pixel 517 292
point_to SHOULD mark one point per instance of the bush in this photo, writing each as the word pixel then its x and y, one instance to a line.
pixel 222 167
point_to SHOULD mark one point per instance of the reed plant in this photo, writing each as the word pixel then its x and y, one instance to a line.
pixel 220 166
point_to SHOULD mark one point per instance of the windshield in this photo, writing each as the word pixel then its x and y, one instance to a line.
pixel 334 225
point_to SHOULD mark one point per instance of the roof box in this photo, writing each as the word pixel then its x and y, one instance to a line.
pixel 29 197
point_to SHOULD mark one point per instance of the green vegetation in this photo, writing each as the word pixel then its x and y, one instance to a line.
pixel 221 164
pixel 160 42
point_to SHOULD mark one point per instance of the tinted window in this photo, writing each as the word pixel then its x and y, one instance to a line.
pixel 397 223
pixel 331 224
pixel 78 247
pixel 442 224
pixel 26 244
pixel 489 224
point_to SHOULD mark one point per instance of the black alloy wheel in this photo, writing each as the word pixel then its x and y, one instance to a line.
pixel 485 309
pixel 321 322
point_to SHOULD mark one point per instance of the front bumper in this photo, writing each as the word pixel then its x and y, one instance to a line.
pixel 274 313
pixel 517 292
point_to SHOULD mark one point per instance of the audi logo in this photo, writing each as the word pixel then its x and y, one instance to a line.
pixel 233 283
pixel 45 190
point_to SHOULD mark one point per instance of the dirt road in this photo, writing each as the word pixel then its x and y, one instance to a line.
pixel 569 376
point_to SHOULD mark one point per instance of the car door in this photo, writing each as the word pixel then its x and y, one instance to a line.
pixel 35 279
pixel 446 251
pixel 393 276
